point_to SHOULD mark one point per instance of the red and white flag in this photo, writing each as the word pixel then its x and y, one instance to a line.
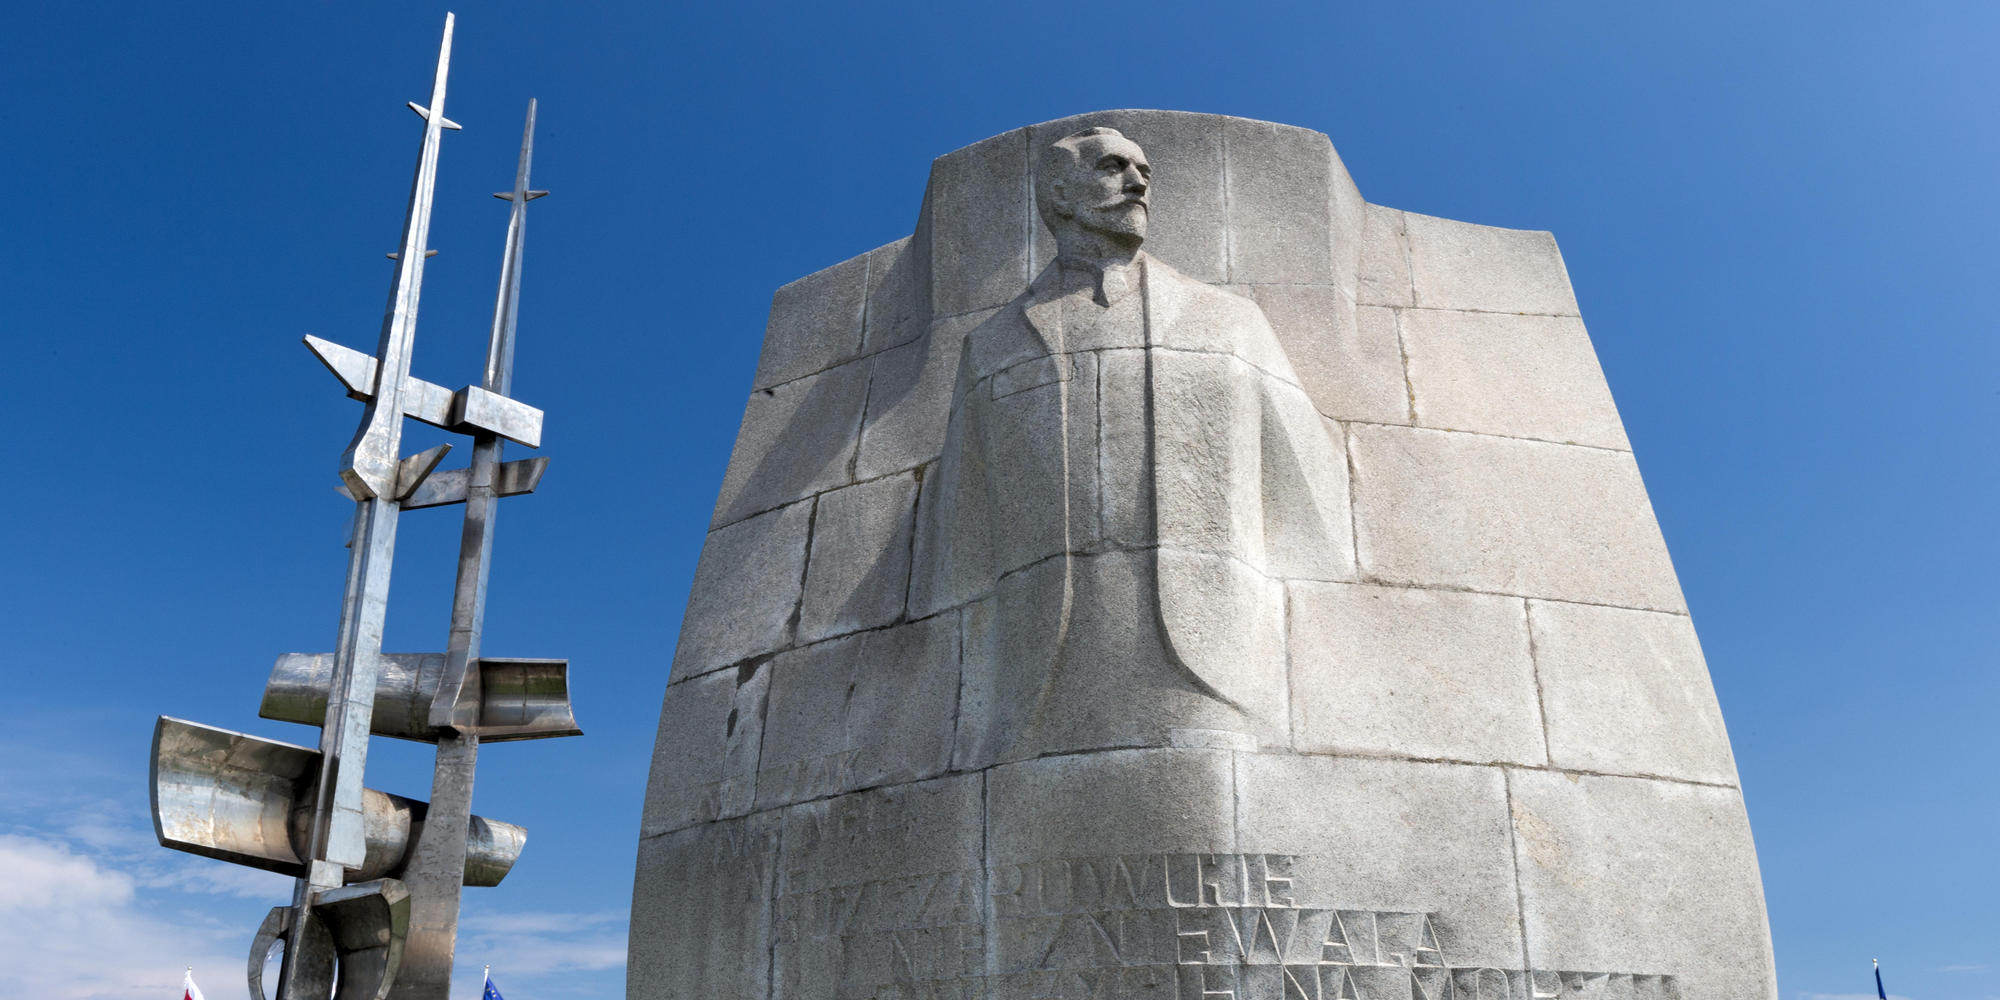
pixel 189 991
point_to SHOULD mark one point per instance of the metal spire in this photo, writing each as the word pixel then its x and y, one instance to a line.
pixel 438 866
pixel 375 909
pixel 369 466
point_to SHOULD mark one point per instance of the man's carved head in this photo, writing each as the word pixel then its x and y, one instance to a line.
pixel 1092 189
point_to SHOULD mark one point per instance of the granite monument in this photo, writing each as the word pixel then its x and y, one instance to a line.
pixel 1165 574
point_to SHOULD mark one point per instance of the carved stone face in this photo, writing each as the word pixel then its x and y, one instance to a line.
pixel 1105 192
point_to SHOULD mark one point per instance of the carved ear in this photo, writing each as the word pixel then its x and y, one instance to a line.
pixel 1060 201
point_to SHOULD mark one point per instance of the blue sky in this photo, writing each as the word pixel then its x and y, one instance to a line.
pixel 1779 219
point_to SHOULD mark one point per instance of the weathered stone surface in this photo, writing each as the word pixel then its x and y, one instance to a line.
pixel 1457 265
pixel 898 308
pixel 715 724
pixel 701 911
pixel 859 569
pixel 1162 801
pixel 815 323
pixel 981 214
pixel 1514 517
pixel 1392 835
pixel 1518 376
pixel 1280 211
pixel 742 603
pixel 798 438
pixel 1627 692
pixel 1385 260
pixel 1642 875
pixel 1415 673
pixel 909 399
pixel 859 711
pixel 1347 216
pixel 1021 699
pixel 878 888
pixel 1347 359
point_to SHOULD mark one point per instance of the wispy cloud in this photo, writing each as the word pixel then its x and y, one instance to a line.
pixel 539 949
pixel 1962 968
pixel 73 924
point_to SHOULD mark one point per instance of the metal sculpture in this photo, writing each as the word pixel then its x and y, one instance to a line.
pixel 374 913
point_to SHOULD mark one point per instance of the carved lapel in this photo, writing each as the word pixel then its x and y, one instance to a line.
pixel 1165 298
pixel 1043 311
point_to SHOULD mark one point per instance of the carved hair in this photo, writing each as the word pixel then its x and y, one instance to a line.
pixel 1057 160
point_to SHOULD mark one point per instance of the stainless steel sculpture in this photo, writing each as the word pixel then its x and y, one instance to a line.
pixel 374 913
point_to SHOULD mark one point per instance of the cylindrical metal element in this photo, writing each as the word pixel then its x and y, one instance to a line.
pixel 239 798
pixel 522 699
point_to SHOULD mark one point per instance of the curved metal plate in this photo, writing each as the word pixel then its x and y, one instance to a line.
pixel 368 923
pixel 226 795
pixel 241 798
pixel 524 700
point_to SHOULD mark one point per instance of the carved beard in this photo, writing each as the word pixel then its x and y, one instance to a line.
pixel 1125 218
pixel 1122 220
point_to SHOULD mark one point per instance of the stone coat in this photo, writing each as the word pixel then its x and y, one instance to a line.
pixel 1122 492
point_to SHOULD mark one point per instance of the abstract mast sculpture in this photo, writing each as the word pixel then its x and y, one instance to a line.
pixel 374 913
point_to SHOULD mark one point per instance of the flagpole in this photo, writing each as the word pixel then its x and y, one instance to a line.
pixel 1880 993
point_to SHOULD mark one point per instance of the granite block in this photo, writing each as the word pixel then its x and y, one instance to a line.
pixel 883 833
pixel 746 587
pixel 1280 182
pixel 1458 265
pixel 1091 861
pixel 1308 524
pixel 1019 429
pixel 1383 323
pixel 1352 369
pixel 981 214
pixel 909 399
pixel 1396 836
pixel 797 439
pixel 1347 217
pixel 1209 496
pixel 1513 375
pixel 1186 225
pixel 1628 692
pixel 1413 673
pixel 862 710
pixel 701 903
pixel 899 295
pixel 705 765
pixel 1057 657
pixel 1434 508
pixel 1642 875
pixel 1385 260
pixel 859 569
pixel 1156 801
pixel 815 323
pixel 879 891
pixel 1124 475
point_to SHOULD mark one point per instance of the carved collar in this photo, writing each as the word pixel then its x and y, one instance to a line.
pixel 1108 281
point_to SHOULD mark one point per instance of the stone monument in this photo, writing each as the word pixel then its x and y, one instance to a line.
pixel 1166 575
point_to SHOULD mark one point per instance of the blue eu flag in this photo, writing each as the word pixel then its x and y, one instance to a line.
pixel 491 992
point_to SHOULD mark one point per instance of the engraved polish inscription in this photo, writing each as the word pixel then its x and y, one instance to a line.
pixel 1138 927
